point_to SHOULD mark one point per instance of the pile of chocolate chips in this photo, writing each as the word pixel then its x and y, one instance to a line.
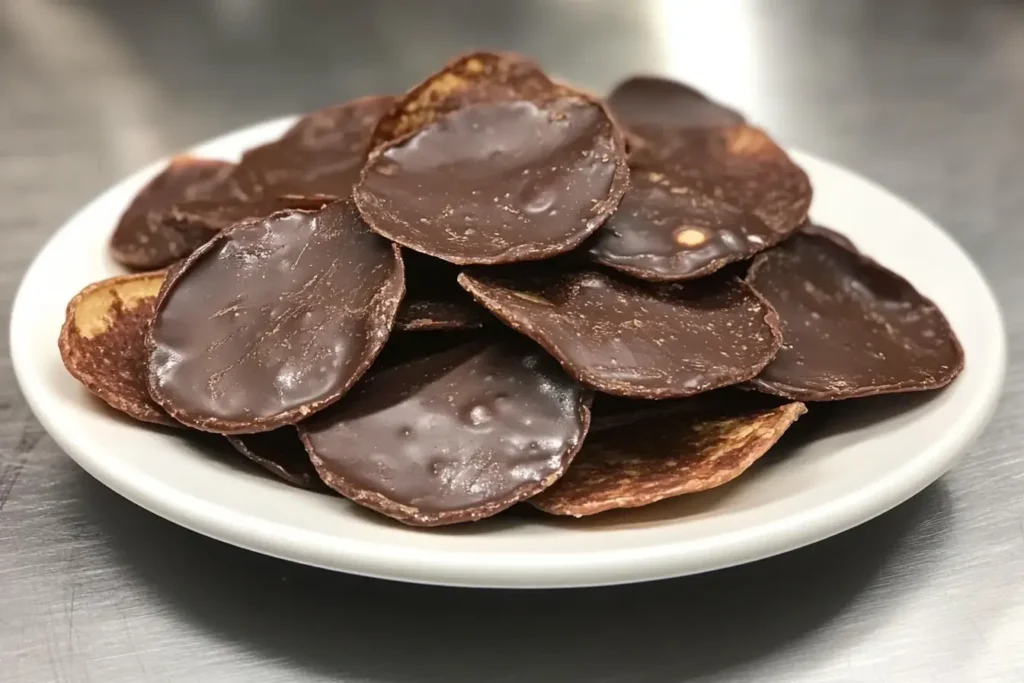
pixel 493 289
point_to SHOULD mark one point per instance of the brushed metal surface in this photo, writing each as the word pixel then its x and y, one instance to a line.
pixel 927 97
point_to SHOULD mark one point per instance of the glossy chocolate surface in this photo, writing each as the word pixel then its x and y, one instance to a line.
pixel 739 165
pixel 663 232
pixel 273 320
pixel 498 182
pixel 634 339
pixel 850 327
pixel 454 436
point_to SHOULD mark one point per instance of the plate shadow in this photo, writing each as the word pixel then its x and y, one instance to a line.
pixel 342 627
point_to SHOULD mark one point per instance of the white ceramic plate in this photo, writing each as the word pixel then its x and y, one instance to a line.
pixel 875 454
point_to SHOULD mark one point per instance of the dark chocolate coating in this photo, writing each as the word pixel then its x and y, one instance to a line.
pixel 739 165
pixel 498 182
pixel 467 79
pixel 665 233
pixel 453 437
pixel 273 320
pixel 322 154
pixel 652 100
pixel 281 453
pixel 141 239
pixel 634 339
pixel 850 327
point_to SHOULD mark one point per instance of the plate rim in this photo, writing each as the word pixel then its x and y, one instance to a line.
pixel 507 570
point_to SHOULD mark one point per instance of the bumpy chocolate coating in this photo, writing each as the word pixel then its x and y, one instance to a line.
pixel 632 339
pixel 652 100
pixel 142 240
pixel 103 342
pixel 697 448
pixel 453 437
pixel 850 327
pixel 273 320
pixel 498 182
pixel 739 165
pixel 281 453
pixel 663 232
pixel 322 154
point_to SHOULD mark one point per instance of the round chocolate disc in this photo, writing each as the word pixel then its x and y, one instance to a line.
pixel 739 165
pixel 490 161
pixel 498 182
pixel 273 320
pixel 452 437
pixel 665 233
pixel 322 154
pixel 651 100
pixel 281 453
pixel 850 327
pixel 103 342
pixel 634 339
pixel 141 239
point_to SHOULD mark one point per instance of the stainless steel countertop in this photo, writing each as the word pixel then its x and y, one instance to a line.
pixel 926 97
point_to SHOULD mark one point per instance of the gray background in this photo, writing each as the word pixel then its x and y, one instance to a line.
pixel 925 97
